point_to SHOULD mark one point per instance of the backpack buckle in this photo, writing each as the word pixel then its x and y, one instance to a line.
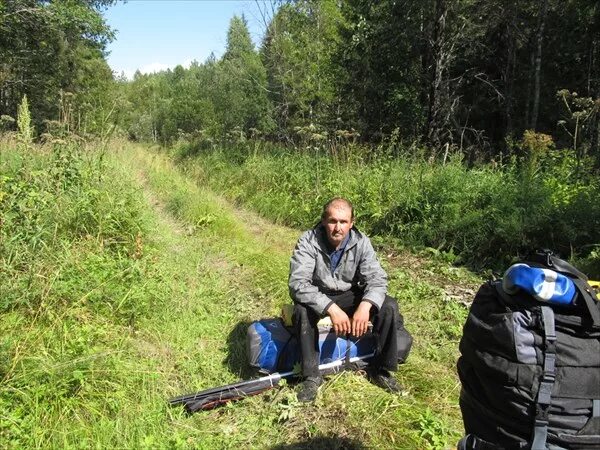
pixel 545 394
pixel 541 415
pixel 549 255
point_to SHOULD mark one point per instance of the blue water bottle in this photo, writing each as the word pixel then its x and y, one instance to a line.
pixel 544 285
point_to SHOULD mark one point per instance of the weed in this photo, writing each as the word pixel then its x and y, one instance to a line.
pixel 288 408
pixel 432 430
pixel 24 126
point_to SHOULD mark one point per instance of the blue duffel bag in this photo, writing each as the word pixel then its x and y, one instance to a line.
pixel 272 347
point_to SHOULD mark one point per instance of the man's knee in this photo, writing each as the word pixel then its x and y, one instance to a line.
pixel 304 315
pixel 389 306
pixel 300 313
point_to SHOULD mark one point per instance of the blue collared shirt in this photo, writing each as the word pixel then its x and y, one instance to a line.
pixel 336 256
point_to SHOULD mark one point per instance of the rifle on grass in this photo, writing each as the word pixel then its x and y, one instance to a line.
pixel 211 398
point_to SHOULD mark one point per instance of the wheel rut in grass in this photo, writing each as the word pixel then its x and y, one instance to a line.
pixel 195 339
pixel 231 266
pixel 250 250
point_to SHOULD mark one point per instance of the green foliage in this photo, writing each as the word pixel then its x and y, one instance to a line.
pixel 6 122
pixel 382 53
pixel 424 70
pixel 299 54
pixel 210 101
pixel 239 42
pixel 333 72
pixel 56 197
pixel 241 101
pixel 74 283
pixel 580 121
pixel 432 430
pixel 485 215
pixel 49 48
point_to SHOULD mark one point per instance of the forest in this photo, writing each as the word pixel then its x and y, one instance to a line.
pixel 507 92
pixel 145 222
pixel 468 75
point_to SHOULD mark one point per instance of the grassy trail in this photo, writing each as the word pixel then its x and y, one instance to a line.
pixel 103 328
pixel 198 337
pixel 225 267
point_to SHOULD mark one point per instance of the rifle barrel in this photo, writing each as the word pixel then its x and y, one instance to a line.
pixel 222 394
pixel 271 379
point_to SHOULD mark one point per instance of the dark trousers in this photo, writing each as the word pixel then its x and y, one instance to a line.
pixel 385 324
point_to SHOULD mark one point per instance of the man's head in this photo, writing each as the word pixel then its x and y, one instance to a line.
pixel 337 219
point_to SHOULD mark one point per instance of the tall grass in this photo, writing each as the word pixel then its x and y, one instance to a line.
pixel 74 285
pixel 486 215
pixel 55 201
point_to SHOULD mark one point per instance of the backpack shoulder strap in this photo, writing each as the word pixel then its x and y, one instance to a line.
pixel 560 265
pixel 591 300
pixel 544 398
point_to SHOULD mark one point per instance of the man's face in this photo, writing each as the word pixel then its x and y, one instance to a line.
pixel 337 223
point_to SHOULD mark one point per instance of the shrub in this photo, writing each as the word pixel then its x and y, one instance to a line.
pixel 51 201
pixel 487 215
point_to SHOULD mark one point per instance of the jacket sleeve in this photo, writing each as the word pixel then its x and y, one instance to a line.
pixel 302 266
pixel 372 275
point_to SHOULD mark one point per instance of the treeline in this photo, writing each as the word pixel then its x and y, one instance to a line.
pixel 448 74
pixel 53 52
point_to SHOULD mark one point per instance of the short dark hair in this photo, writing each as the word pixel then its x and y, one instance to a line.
pixel 343 200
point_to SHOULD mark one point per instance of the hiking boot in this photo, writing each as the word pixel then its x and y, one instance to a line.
pixel 384 380
pixel 309 388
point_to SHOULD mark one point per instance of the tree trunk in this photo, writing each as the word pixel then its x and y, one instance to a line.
pixel 509 68
pixel 529 90
pixel 425 58
pixel 594 89
pixel 538 64
pixel 435 87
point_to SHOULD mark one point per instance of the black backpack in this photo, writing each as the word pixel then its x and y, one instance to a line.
pixel 530 370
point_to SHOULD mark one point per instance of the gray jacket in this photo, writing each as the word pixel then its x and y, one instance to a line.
pixel 310 270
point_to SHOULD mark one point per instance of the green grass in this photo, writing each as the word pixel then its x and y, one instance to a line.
pixel 485 215
pixel 134 284
pixel 428 414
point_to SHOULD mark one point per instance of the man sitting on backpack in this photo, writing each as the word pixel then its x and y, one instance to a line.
pixel 334 271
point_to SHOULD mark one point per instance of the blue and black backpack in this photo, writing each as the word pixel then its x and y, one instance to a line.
pixel 530 360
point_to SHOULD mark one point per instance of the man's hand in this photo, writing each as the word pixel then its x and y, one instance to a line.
pixel 360 320
pixel 339 319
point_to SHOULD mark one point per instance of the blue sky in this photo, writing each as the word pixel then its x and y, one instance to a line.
pixel 155 35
